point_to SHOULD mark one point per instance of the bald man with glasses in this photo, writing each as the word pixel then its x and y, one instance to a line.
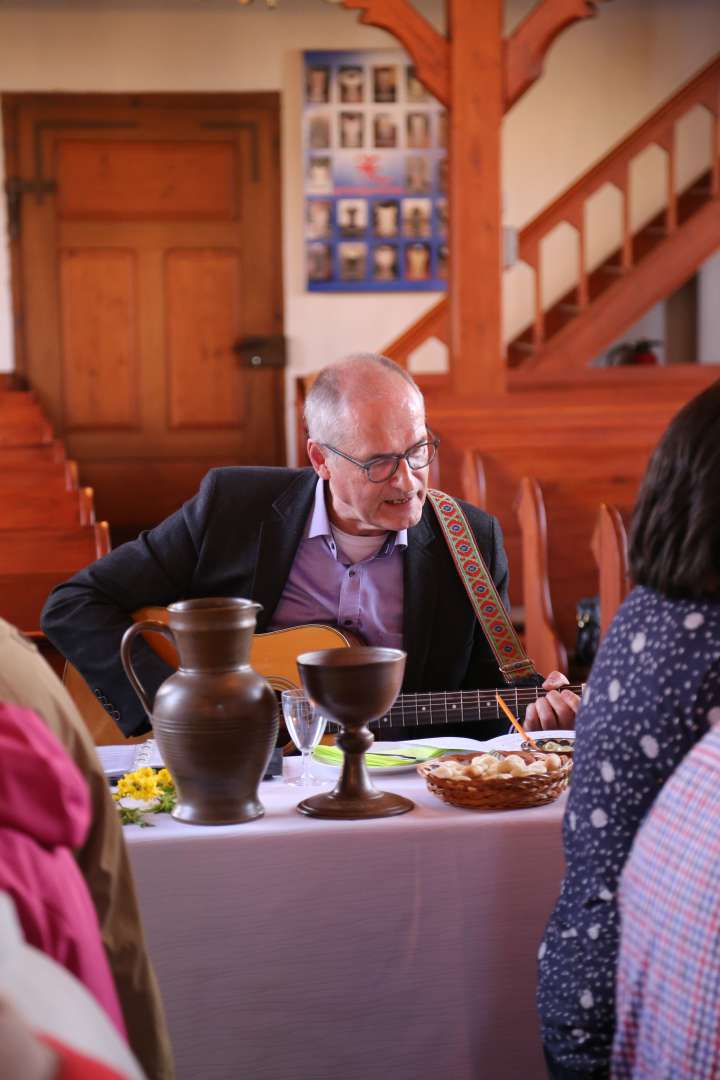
pixel 350 542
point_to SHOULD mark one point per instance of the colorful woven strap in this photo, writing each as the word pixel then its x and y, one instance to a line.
pixel 513 661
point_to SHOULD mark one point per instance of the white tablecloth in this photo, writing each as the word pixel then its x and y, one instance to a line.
pixel 402 949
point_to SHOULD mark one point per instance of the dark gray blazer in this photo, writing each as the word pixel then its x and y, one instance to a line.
pixel 238 537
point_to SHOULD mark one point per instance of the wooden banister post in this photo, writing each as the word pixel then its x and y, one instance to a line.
pixel 476 83
pixel 627 246
pixel 715 170
pixel 671 212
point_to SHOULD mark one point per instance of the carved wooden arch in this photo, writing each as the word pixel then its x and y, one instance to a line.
pixel 524 50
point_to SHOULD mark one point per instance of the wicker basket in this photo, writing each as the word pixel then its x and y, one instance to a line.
pixel 515 793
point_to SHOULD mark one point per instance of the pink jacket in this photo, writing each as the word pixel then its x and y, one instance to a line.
pixel 44 817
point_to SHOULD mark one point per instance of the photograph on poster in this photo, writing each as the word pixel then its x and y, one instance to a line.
pixel 353 260
pixel 317 85
pixel 318 131
pixel 351 81
pixel 414 88
pixel 319 176
pixel 417 262
pixel 417 217
pixel 418 130
pixel 385 133
pixel 418 174
pixel 352 130
pixel 384 84
pixel 385 262
pixel 319 262
pixel 375 174
pixel 386 217
pixel 318 218
pixel 441 210
pixel 352 217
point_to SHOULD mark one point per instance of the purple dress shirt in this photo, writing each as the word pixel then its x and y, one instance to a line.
pixel 323 586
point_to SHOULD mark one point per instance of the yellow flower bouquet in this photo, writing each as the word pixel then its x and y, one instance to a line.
pixel 144 791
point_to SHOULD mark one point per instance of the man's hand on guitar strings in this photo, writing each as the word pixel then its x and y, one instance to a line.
pixel 556 710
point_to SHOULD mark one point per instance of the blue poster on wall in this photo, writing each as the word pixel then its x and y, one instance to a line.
pixel 375 175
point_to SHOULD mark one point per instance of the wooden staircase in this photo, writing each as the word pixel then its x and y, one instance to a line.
pixel 650 264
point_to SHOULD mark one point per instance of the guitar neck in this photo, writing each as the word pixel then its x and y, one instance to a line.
pixel 461 706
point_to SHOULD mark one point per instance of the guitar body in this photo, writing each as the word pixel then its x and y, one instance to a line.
pixel 272 655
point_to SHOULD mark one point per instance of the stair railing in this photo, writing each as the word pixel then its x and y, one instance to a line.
pixel 614 168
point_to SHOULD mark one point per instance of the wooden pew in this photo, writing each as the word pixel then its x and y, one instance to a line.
pixel 51 453
pixel 39 499
pixel 33 561
pixel 609 547
pixel 472 479
pixel 542 641
pixel 18 403
pixel 39 460
pixel 24 430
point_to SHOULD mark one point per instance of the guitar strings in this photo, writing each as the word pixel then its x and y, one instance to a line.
pixel 408 709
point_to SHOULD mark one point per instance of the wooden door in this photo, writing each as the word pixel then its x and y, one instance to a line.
pixel 147 285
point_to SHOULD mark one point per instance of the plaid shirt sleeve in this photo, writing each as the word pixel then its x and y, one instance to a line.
pixel 668 988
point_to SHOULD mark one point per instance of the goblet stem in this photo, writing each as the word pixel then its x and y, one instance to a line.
pixel 305 775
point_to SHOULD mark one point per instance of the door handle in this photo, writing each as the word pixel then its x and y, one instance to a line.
pixel 258 351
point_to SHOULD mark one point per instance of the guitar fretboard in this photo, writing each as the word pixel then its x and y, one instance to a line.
pixel 460 706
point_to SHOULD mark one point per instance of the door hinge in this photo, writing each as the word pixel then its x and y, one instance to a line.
pixel 15 188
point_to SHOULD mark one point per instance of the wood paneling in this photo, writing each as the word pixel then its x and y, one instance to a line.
pixel 99 338
pixel 131 181
pixel 202 305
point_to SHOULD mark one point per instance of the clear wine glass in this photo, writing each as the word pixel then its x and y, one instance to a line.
pixel 306 726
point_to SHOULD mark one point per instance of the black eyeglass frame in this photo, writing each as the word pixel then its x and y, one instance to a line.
pixel 433 441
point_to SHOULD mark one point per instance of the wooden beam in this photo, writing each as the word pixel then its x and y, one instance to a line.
pixel 523 52
pixel 526 47
pixel 428 49
pixel 477 365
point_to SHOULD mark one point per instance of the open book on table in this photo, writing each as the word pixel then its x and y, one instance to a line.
pixel 117 760
pixel 511 741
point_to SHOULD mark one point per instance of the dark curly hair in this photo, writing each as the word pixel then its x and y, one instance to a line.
pixel 675 532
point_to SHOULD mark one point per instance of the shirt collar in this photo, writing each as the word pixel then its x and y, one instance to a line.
pixel 319 524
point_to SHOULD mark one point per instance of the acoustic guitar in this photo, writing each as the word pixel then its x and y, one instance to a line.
pixel 273 656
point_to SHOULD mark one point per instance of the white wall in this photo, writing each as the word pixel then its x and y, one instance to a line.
pixel 602 77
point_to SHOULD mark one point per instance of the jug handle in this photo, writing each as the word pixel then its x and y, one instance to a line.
pixel 125 646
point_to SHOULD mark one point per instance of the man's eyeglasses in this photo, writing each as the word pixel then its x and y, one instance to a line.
pixel 381 468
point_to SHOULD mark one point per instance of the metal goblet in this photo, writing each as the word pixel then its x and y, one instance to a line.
pixel 353 686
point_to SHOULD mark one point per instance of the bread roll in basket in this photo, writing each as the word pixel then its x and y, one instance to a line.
pixel 499 792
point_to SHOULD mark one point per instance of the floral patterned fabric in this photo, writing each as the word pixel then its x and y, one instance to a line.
pixel 653 692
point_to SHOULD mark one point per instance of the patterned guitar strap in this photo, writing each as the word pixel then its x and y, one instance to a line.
pixel 514 663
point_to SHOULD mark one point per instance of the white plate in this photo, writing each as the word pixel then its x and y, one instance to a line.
pixel 379 748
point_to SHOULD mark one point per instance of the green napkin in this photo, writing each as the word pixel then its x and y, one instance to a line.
pixel 333 755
